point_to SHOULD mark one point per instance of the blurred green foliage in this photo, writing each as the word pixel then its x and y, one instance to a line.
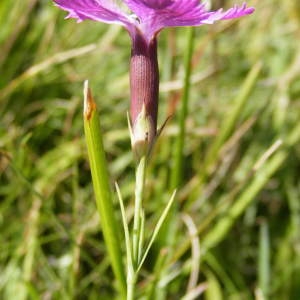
pixel 241 155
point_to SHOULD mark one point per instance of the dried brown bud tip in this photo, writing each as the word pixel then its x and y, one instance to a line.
pixel 89 105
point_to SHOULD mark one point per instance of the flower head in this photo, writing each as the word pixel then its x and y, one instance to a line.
pixel 148 19
pixel 149 16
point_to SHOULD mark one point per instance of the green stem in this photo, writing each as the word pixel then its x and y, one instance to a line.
pixel 138 213
pixel 134 256
pixel 131 281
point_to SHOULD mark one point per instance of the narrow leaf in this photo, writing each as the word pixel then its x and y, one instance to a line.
pixel 126 230
pixel 157 229
pixel 102 187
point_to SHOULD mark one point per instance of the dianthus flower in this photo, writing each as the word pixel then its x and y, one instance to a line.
pixel 148 18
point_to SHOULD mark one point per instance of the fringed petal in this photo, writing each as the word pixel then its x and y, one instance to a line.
pixel 154 15
pixel 98 10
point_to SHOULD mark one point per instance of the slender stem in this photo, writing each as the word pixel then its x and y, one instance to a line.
pixel 131 281
pixel 138 229
pixel 130 267
pixel 139 191
pixel 141 236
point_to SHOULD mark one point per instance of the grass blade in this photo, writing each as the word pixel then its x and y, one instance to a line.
pixel 102 187
pixel 179 144
pixel 264 260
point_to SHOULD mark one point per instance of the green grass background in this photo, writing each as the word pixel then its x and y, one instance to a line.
pixel 240 185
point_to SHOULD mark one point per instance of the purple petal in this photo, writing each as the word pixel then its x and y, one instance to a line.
pixel 154 15
pixel 98 10
pixel 232 13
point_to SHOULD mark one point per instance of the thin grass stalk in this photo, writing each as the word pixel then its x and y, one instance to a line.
pixel 264 259
pixel 152 291
pixel 166 236
pixel 176 175
pixel 102 189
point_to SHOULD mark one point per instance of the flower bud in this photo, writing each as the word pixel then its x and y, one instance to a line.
pixel 143 134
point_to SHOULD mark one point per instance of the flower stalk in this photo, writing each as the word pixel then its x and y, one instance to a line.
pixel 136 253
pixel 137 233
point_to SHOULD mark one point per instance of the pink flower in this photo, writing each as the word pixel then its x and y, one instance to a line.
pixel 148 19
pixel 150 16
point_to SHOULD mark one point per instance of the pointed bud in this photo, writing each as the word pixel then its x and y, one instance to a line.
pixel 142 134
